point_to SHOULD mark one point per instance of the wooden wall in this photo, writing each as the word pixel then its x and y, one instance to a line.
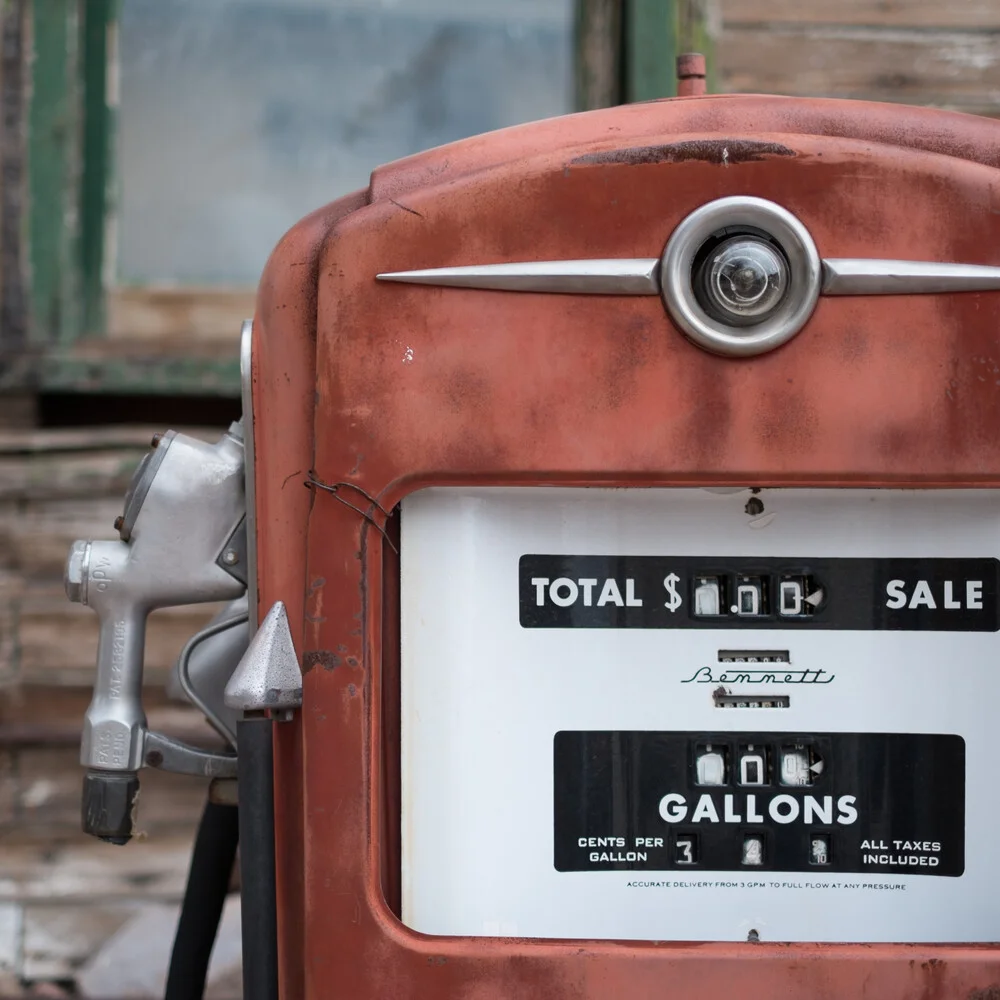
pixel 945 54
pixel 65 899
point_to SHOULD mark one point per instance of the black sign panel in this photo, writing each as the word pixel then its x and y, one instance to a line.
pixel 790 802
pixel 937 595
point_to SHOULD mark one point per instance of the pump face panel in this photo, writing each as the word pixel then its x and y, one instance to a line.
pixel 649 714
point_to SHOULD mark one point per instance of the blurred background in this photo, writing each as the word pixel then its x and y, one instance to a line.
pixel 152 152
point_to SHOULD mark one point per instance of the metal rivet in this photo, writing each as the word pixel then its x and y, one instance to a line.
pixel 157 438
pixel 230 558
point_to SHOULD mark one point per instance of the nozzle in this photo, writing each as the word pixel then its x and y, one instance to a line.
pixel 108 807
pixel 75 574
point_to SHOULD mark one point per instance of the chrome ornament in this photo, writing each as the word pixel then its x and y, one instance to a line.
pixel 786 310
pixel 740 276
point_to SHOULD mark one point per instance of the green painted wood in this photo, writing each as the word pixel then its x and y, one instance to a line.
pixel 13 159
pixel 98 34
pixel 53 123
pixel 656 32
pixel 168 376
pixel 650 45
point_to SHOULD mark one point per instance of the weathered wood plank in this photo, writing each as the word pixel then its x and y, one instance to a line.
pixel 30 440
pixel 62 708
pixel 81 474
pixel 198 367
pixel 133 962
pixel 75 464
pixel 77 867
pixel 34 538
pixel 8 640
pixel 165 314
pixel 975 14
pixel 10 953
pixel 951 69
pixel 57 939
pixel 597 42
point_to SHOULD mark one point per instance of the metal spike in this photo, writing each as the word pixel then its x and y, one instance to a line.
pixel 619 276
pixel 268 676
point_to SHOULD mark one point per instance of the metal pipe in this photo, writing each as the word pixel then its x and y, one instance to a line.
pixel 257 879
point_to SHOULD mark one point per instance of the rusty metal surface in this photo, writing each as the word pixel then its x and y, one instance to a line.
pixel 691 75
pixel 283 377
pixel 390 387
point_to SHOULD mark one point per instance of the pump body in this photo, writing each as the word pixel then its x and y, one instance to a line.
pixel 502 349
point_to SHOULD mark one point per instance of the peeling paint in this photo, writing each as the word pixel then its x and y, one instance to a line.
pixel 720 151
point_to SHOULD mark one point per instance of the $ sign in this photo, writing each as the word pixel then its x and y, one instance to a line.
pixel 674 600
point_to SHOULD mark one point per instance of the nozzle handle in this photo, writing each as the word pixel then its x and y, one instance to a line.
pixel 115 723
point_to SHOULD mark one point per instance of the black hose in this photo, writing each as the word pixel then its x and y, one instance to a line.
pixel 258 905
pixel 204 897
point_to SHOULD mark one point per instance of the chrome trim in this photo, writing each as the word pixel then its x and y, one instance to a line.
pixel 612 276
pixel 224 722
pixel 246 391
pixel 677 288
pixel 864 276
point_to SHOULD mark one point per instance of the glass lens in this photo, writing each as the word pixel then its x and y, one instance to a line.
pixel 743 280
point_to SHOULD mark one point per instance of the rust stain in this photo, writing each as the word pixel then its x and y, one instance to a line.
pixel 722 152
pixel 935 972
pixel 320 658
pixel 991 992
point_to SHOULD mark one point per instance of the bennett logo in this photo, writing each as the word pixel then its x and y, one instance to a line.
pixel 749 809
pixel 922 594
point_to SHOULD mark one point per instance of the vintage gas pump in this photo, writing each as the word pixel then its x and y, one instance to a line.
pixel 626 485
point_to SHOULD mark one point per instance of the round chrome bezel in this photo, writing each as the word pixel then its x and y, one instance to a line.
pixel 677 277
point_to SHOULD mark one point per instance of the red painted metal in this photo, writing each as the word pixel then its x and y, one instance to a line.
pixel 691 75
pixel 394 387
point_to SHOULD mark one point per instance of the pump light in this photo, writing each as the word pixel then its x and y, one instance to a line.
pixel 740 276
pixel 742 281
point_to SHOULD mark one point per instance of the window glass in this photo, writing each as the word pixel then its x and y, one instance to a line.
pixel 238 117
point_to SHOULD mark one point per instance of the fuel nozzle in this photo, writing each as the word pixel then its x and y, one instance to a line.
pixel 179 542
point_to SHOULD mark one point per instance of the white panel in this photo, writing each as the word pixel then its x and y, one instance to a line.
pixel 483 697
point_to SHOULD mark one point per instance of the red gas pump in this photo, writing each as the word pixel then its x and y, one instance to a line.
pixel 626 485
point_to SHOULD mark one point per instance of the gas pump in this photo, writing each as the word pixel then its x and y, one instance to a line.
pixel 625 492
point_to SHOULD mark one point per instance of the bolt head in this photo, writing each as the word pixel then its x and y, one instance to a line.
pixel 75 575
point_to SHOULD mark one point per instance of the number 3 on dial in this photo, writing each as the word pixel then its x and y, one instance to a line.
pixel 685 851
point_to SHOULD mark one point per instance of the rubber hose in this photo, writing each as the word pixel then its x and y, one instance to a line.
pixel 204 898
pixel 257 882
